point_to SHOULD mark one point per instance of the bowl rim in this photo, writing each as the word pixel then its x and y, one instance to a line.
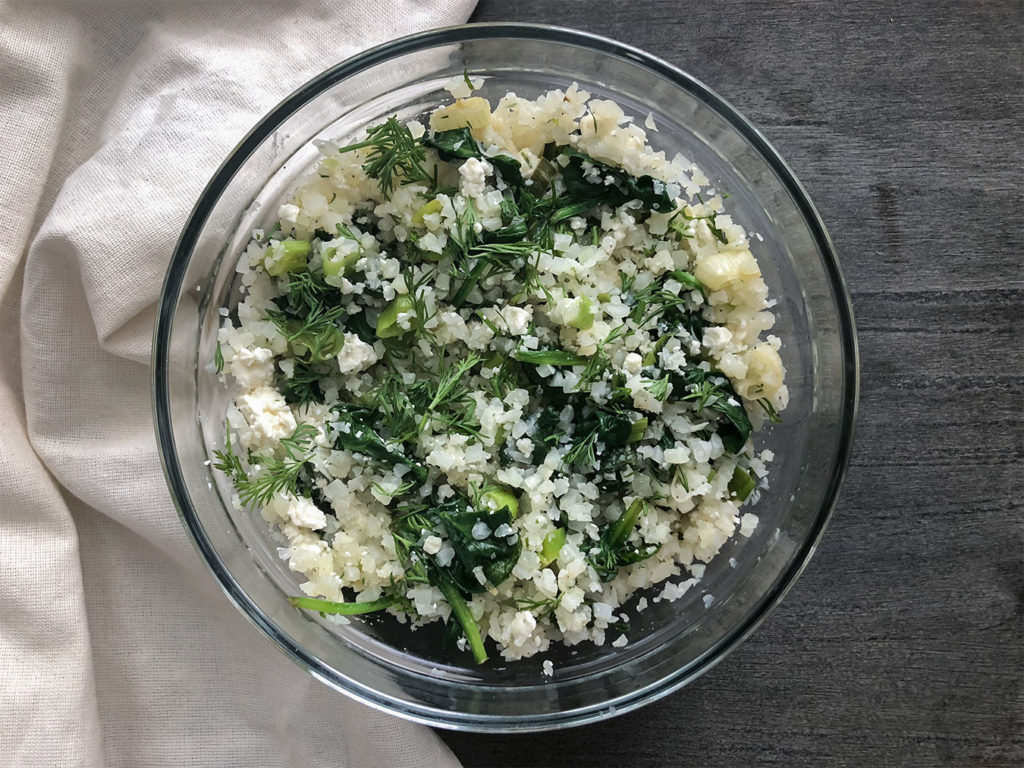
pixel 174 280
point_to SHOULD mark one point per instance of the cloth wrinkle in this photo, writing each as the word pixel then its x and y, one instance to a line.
pixel 117 647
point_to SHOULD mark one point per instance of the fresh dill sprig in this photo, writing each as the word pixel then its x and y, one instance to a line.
pixel 599 361
pixel 414 290
pixel 770 411
pixel 309 321
pixel 449 393
pixel 704 393
pixel 227 460
pixel 218 359
pixel 543 606
pixel 394 152
pixel 348 234
pixel 279 475
pixel 401 490
pixel 680 222
pixel 719 234
pixel 582 452
pixel 506 377
pixel 304 385
pixel 307 290
pixel 318 331
pixel 652 301
pixel 397 412
pixel 658 388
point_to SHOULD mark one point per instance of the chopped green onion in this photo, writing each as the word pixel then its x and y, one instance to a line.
pixel 340 609
pixel 287 256
pixel 551 546
pixel 636 432
pixel 549 357
pixel 584 317
pixel 497 499
pixel 387 322
pixel 433 206
pixel 742 484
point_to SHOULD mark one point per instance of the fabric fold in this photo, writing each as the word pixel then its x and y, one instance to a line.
pixel 116 645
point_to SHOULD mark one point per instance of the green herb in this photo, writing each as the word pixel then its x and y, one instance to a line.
pixel 679 223
pixel 394 154
pixel 469 83
pixel 582 452
pixel 401 490
pixel 506 377
pixel 449 396
pixel 314 338
pixel 279 475
pixel 611 428
pixel 599 362
pixel 769 410
pixel 218 359
pixel 542 607
pixel 227 460
pixel 712 390
pixel 658 388
pixel 719 234
pixel 348 234
pixel 599 183
pixel 308 318
pixel 614 550
pixel 547 433
pixel 304 385
pixel 356 433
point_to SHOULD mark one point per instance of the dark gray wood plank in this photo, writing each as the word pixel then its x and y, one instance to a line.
pixel 903 643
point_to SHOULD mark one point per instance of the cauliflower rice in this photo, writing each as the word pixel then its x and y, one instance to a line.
pixel 501 371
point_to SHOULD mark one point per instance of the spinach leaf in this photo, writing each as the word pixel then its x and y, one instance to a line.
pixel 611 428
pixel 357 434
pixel 304 384
pixel 494 555
pixel 546 434
pixel 459 144
pixel 614 550
pixel 712 390
pixel 609 185
pixel 423 568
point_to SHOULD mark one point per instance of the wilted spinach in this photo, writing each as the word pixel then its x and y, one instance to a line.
pixel 610 186
pixel 357 434
pixel 614 549
pixel 712 390
pixel 459 144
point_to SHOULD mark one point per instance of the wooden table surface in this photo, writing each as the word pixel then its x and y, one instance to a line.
pixel 903 642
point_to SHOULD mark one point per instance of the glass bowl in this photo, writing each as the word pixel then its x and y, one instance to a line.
pixel 380 662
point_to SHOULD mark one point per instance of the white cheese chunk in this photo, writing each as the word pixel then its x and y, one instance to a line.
pixel 305 514
pixel 355 355
pixel 268 416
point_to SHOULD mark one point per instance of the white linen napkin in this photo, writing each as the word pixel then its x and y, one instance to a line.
pixel 116 646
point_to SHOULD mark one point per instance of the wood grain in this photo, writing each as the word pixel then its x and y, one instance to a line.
pixel 903 642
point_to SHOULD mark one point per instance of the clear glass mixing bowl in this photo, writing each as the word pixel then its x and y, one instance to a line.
pixel 378 661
